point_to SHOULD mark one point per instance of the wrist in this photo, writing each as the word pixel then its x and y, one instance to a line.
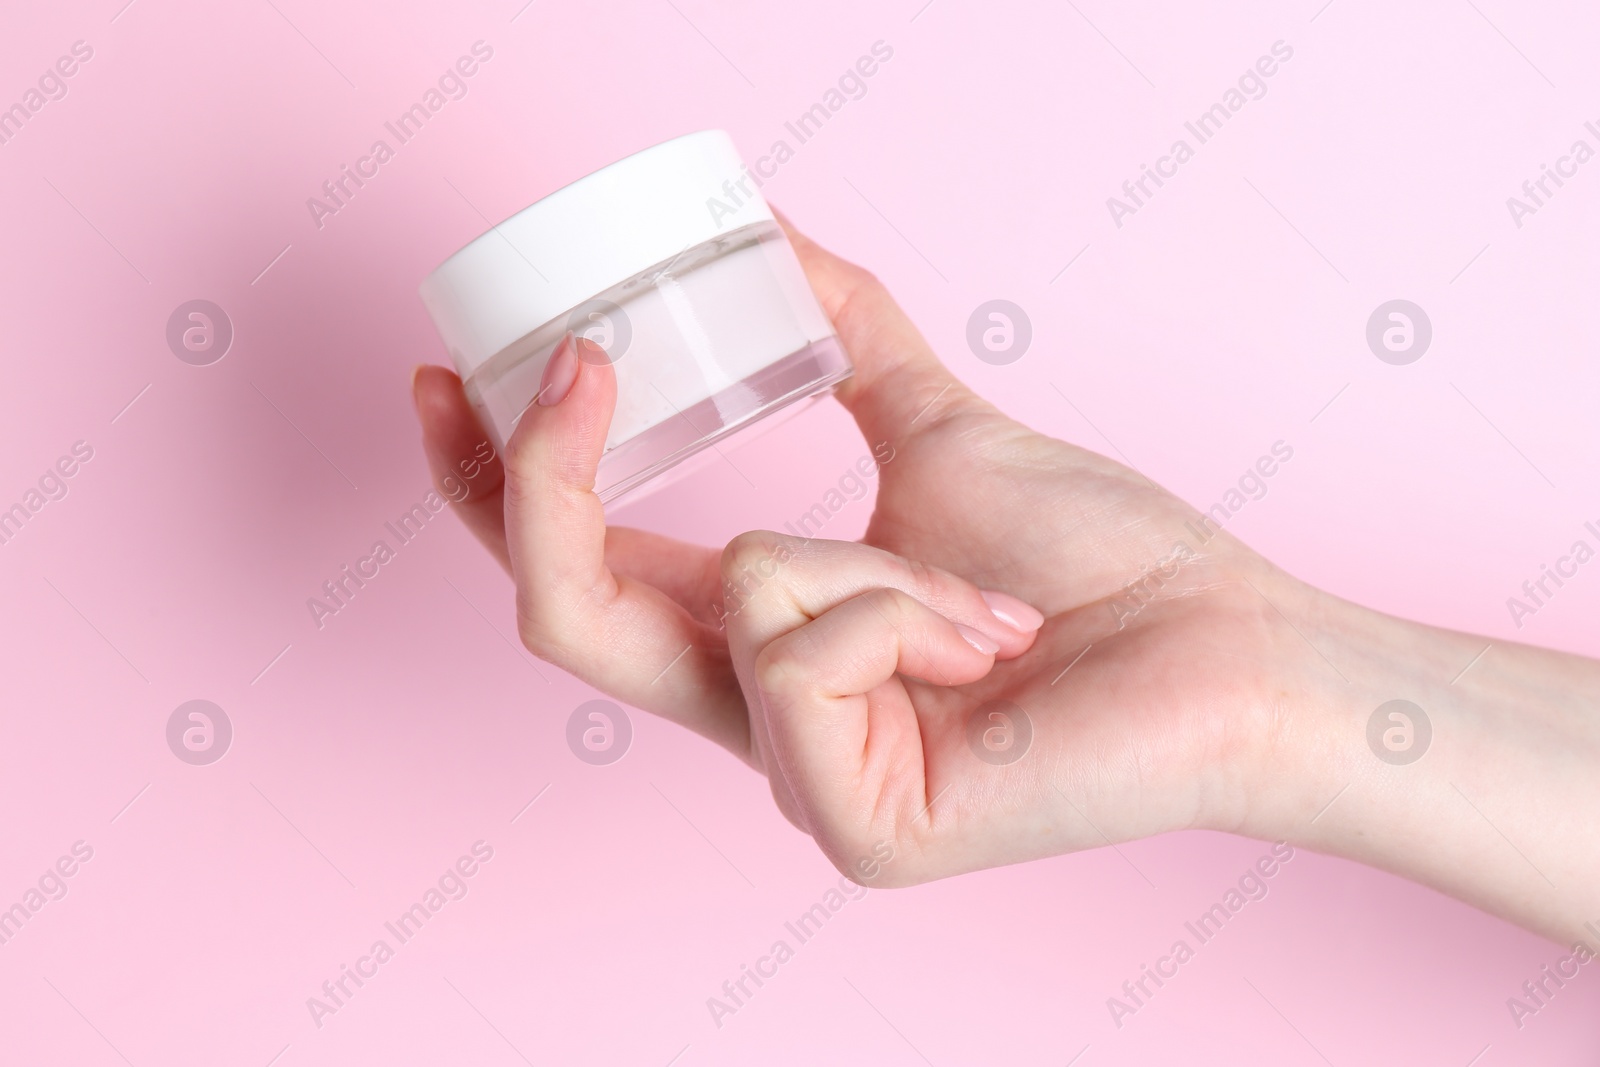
pixel 1482 785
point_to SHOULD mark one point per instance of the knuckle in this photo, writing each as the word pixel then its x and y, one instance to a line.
pixel 927 582
pixel 521 459
pixel 852 869
pixel 751 561
pixel 534 466
pixel 535 631
pixel 533 637
pixel 523 488
pixel 861 293
pixel 866 284
pixel 782 667
pixel 784 799
pixel 753 550
pixel 869 285
pixel 861 857
pixel 892 604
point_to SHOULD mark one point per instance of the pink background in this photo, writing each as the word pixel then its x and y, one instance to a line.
pixel 368 755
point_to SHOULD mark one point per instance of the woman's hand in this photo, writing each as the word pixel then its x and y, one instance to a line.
pixel 1170 677
pixel 1149 730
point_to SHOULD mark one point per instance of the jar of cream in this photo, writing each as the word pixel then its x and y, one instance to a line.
pixel 671 262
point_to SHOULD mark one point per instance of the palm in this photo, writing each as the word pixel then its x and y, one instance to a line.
pixel 1134 711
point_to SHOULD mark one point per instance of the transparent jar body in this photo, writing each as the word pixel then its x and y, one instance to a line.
pixel 704 345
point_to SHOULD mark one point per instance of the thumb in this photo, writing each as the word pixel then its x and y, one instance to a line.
pixel 555 523
pixel 899 387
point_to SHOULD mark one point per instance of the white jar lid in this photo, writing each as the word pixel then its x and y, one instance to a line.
pixel 585 238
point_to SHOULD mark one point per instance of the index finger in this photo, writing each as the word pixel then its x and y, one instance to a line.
pixel 899 387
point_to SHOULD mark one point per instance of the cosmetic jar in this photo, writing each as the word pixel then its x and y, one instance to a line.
pixel 672 263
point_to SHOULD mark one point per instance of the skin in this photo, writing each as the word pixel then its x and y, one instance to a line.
pixel 1178 681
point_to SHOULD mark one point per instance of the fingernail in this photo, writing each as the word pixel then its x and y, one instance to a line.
pixel 977 640
pixel 416 400
pixel 1017 614
pixel 559 373
pixel 590 352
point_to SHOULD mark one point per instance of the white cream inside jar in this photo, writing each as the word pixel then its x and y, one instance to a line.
pixel 684 279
